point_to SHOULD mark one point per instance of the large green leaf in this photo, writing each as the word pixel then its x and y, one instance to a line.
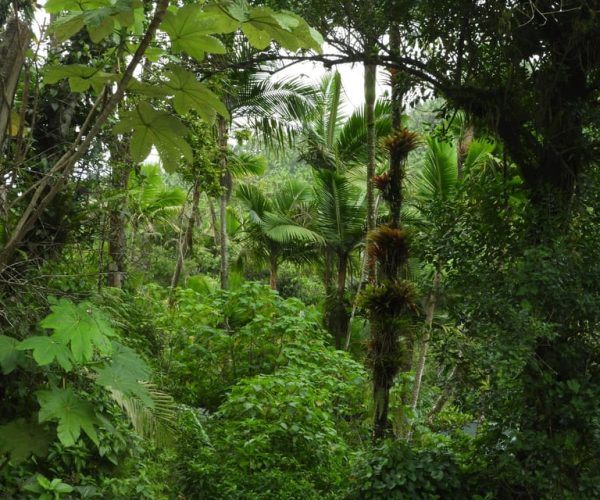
pixel 80 77
pixel 158 128
pixel 101 17
pixel 286 28
pixel 57 6
pixel 72 414
pixel 80 325
pixel 46 350
pixel 20 439
pixel 190 30
pixel 9 354
pixel 189 94
pixel 124 374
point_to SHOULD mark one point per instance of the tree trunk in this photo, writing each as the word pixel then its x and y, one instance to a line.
pixel 370 89
pixel 400 84
pixel 429 312
pixel 213 221
pixel 15 40
pixel 341 313
pixel 329 312
pixel 464 143
pixel 273 272
pixel 226 191
pixel 116 233
pixel 187 235
pixel 381 397
pixel 117 240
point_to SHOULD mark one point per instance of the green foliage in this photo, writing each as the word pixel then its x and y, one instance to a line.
pixel 100 17
pixel 398 471
pixel 21 438
pixel 224 336
pixel 72 413
pixel 47 489
pixel 81 326
pixel 124 374
pixel 80 77
pixel 190 30
pixel 48 349
pixel 191 95
pixel 9 354
pixel 282 434
pixel 155 128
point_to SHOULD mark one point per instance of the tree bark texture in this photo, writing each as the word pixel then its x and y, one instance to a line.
pixel 187 235
pixel 225 193
pixel 117 239
pixel 370 82
pixel 15 40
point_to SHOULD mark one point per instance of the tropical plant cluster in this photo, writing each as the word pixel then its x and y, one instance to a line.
pixel 217 282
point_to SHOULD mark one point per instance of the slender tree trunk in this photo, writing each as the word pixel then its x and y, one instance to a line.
pixel 341 314
pixel 443 397
pixel 117 248
pixel 213 221
pixel 329 313
pixel 226 190
pixel 187 235
pixel 273 272
pixel 15 40
pixel 424 345
pixel 381 397
pixel 370 90
pixel 396 158
pixel 117 241
pixel 464 143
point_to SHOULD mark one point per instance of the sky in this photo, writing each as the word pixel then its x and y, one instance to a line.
pixel 352 79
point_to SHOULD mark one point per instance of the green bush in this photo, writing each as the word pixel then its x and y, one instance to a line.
pixel 219 338
pixel 283 435
pixel 396 470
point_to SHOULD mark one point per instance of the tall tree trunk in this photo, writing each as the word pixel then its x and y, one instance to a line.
pixel 273 272
pixel 329 313
pixel 464 143
pixel 341 313
pixel 424 345
pixel 213 221
pixel 370 91
pixel 396 159
pixel 117 249
pixel 226 191
pixel 15 40
pixel 185 240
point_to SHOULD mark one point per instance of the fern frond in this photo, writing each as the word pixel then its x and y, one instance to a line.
pixel 157 422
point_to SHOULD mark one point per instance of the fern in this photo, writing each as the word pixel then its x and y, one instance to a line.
pixel 156 422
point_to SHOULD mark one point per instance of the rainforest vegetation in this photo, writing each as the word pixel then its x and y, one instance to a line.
pixel 221 278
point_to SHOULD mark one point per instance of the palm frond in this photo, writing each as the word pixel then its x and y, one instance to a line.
pixel 351 144
pixel 340 210
pixel 479 156
pixel 244 164
pixel 156 422
pixel 437 178
pixel 283 230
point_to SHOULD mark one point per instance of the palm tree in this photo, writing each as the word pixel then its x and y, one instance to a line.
pixel 276 226
pixel 432 185
pixel 152 202
pixel 340 219
pixel 334 140
pixel 274 110
pixel 334 144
